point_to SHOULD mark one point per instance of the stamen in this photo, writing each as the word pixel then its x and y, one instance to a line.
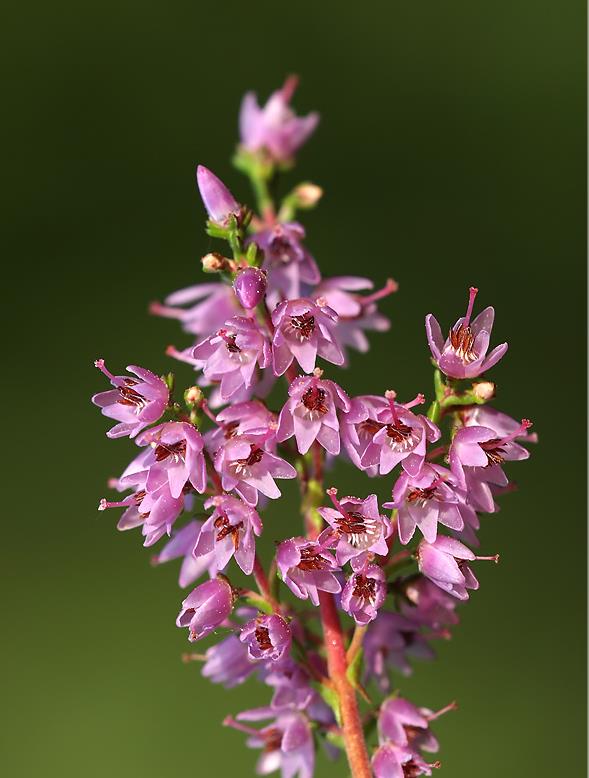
pixel 314 401
pixel 229 338
pixel 303 325
pixel 364 588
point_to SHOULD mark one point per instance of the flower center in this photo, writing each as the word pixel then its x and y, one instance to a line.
pixel 421 496
pixel 303 325
pixel 360 531
pixel 494 451
pixel 314 401
pixel 174 450
pixel 262 636
pixel 369 427
pixel 128 395
pixel 242 466
pixel 225 528
pixel 280 250
pixel 364 588
pixel 272 740
pixel 401 437
pixel 311 560
pixel 462 342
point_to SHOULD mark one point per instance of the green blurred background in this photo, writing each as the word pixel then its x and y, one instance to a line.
pixel 452 152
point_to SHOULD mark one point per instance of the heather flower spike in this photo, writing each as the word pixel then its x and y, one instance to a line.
pixel 344 600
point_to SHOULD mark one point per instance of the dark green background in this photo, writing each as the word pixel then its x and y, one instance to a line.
pixel 451 150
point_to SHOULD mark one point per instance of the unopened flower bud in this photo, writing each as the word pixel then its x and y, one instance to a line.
pixel 217 199
pixel 193 397
pixel 484 390
pixel 250 287
pixel 214 262
pixel 308 195
pixel 206 608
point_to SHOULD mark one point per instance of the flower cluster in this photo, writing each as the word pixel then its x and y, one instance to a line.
pixel 374 583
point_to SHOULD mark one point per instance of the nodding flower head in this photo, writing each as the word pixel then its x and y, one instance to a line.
pixel 306 568
pixel 355 527
pixel 134 402
pixel 464 352
pixel 304 330
pixel 267 637
pixel 311 413
pixel 399 436
pixel 445 562
pixel 206 608
pixel 364 592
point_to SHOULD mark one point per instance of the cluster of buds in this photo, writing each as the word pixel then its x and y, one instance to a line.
pixel 374 584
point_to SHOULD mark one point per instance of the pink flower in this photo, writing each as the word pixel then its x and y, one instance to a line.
pixel 250 418
pixel 404 724
pixel 463 354
pixel 364 592
pixel 355 527
pixel 210 307
pixel 429 606
pixel 229 531
pixel 304 329
pixel 154 511
pixel 306 568
pixel 175 456
pixel 267 637
pixel 287 743
pixel 426 500
pixel 232 354
pixel 274 128
pixel 134 402
pixel 445 563
pixel 392 761
pixel 390 641
pixel 480 447
pixel 248 468
pixel 311 413
pixel 206 608
pixel 402 437
pixel 181 546
pixel 356 313
pixel 286 260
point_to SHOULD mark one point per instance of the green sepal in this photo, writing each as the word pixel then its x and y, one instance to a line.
pixel 465 398
pixel 336 740
pixel 314 497
pixel 257 601
pixel 354 674
pixel 330 696
pixel 434 412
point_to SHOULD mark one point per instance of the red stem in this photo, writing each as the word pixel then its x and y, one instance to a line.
pixel 337 665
